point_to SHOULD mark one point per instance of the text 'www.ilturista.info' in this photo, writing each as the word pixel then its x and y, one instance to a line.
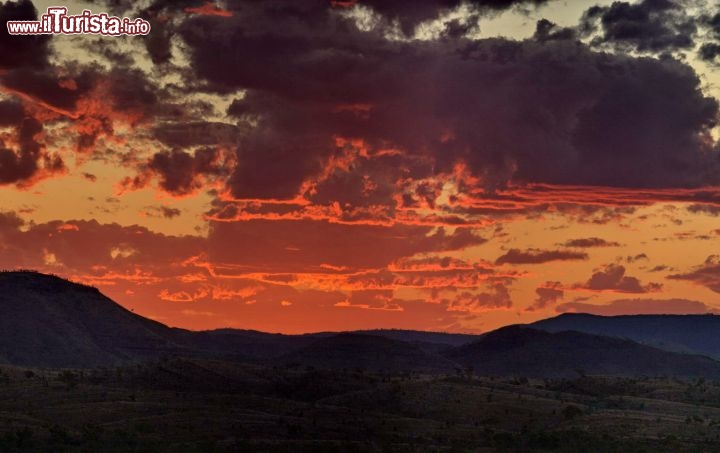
pixel 56 21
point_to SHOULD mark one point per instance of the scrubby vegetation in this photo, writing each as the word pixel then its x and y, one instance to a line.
pixel 193 405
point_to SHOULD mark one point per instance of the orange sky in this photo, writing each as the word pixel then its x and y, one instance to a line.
pixel 364 165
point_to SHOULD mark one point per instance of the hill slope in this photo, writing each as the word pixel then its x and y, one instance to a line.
pixel 48 321
pixel 433 342
pixel 697 334
pixel 369 352
pixel 519 350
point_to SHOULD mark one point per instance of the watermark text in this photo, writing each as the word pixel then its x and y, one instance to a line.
pixel 56 21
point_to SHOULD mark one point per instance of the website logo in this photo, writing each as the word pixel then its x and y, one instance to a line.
pixel 56 21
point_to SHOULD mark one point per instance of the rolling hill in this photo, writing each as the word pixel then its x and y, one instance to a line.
pixel 368 352
pixel 519 350
pixel 696 334
pixel 46 321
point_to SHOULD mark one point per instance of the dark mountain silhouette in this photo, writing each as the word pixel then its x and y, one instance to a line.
pixel 244 345
pixel 697 334
pixel 520 350
pixel 368 352
pixel 260 345
pixel 432 342
pixel 48 321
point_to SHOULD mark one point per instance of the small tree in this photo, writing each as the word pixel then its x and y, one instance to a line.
pixel 570 412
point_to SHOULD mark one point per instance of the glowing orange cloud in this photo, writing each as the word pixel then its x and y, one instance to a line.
pixel 209 9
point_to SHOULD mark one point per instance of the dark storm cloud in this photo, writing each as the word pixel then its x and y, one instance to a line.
pixel 11 113
pixel 44 85
pixel 710 209
pixel 21 51
pixel 88 97
pixel 124 93
pixel 179 170
pixel 357 189
pixel 159 14
pixel 497 297
pixel 646 26
pixel 602 135
pixel 713 22
pixel 547 295
pixel 25 247
pixel 288 144
pixel 707 274
pixel 375 299
pixel 291 246
pixel 162 211
pixel 28 72
pixel 613 278
pixel 590 242
pixel 169 213
pixel 636 258
pixel 158 43
pixel 121 90
pixel 709 51
pixel 536 256
pixel 410 14
pixel 21 163
pixel 25 60
pixel 546 30
pixel 24 164
pixel 552 112
pixel 636 306
pixel 131 90
pixel 196 133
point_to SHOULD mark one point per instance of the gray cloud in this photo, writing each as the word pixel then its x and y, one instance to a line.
pixel 536 256
pixel 590 242
pixel 552 112
pixel 547 295
pixel 637 306
pixel 645 26
pixel 707 274
pixel 613 278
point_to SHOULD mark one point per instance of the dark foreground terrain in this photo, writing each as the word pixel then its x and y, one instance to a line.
pixel 192 405
pixel 78 372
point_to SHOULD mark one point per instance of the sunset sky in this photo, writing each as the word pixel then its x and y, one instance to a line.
pixel 306 165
